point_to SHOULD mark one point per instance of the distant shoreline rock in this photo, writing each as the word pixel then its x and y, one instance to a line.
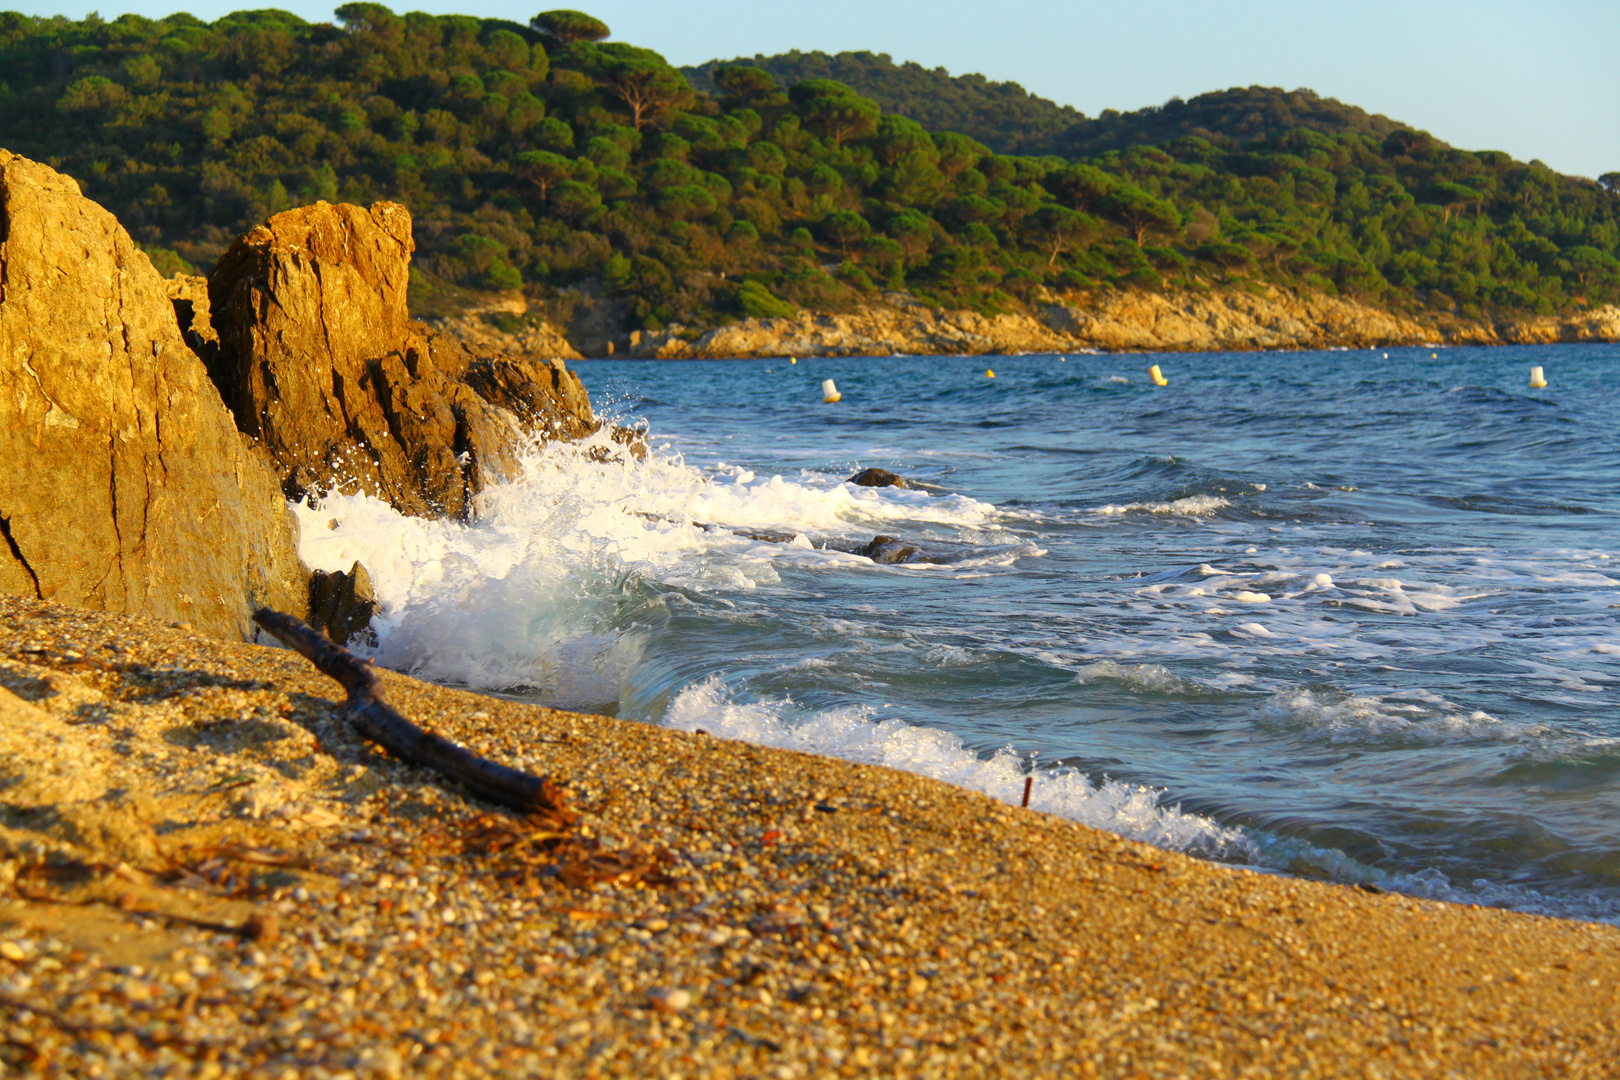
pixel 1131 321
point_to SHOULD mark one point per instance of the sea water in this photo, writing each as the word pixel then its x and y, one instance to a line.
pixel 1352 615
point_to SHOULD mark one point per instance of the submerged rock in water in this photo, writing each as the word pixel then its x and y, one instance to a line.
pixel 124 483
pixel 880 549
pixel 889 549
pixel 320 359
pixel 877 478
pixel 767 536
pixel 342 604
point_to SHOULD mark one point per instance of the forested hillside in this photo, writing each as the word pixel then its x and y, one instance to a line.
pixel 1227 118
pixel 1010 120
pixel 1003 115
pixel 546 155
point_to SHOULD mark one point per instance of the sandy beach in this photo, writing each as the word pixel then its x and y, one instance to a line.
pixel 206 874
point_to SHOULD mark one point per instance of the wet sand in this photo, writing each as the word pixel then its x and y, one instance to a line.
pixel 206 874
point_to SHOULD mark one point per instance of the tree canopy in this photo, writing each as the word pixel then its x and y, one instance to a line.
pixel 543 156
pixel 566 27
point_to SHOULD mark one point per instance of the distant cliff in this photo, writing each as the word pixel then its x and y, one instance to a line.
pixel 1129 321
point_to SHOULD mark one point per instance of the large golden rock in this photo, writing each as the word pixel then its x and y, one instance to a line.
pixel 124 483
pixel 320 360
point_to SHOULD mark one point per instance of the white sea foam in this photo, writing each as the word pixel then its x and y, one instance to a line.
pixel 1191 506
pixel 1434 885
pixel 1373 719
pixel 523 595
pixel 853 734
pixel 1153 678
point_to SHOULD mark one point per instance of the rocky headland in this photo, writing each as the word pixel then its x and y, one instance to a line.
pixel 152 430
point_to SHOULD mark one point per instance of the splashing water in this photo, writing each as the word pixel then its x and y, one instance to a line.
pixel 1345 617
pixel 854 734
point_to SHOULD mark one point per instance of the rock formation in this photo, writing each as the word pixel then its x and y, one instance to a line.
pixel 342 604
pixel 1601 324
pixel 124 484
pixel 887 549
pixel 901 325
pixel 877 478
pixel 320 360
pixel 1260 317
pixel 1266 318
pixel 506 326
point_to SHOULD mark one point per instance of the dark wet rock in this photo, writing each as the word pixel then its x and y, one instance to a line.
pixel 125 485
pixel 321 361
pixel 889 549
pixel 342 604
pixel 767 536
pixel 880 549
pixel 877 478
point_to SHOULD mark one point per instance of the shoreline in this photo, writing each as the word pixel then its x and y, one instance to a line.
pixel 1130 321
pixel 775 914
pixel 1090 351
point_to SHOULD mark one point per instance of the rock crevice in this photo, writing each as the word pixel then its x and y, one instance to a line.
pixel 20 560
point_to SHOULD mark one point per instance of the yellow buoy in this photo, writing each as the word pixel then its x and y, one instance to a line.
pixel 829 392
pixel 989 374
pixel 1537 379
pixel 1434 356
pixel 793 360
pixel 1157 376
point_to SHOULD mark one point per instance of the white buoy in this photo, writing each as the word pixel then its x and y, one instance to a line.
pixel 1157 376
pixel 829 392
pixel 1537 379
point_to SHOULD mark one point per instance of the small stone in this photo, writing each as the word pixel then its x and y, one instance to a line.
pixel 669 1001
pixel 385 1062
pixel 135 991
pixel 13 951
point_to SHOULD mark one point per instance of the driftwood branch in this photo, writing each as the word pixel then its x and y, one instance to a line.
pixel 375 719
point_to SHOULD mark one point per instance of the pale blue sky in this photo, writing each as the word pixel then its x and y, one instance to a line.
pixel 1539 80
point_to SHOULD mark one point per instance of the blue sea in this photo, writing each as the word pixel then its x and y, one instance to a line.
pixel 1348 615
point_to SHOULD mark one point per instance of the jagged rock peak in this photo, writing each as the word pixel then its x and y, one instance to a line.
pixel 320 360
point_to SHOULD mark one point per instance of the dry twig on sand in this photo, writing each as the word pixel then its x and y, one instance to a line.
pixel 375 719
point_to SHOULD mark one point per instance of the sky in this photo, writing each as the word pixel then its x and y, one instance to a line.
pixel 1538 80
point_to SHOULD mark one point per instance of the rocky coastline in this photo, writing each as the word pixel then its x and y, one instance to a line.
pixel 206 871
pixel 1231 319
pixel 152 430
